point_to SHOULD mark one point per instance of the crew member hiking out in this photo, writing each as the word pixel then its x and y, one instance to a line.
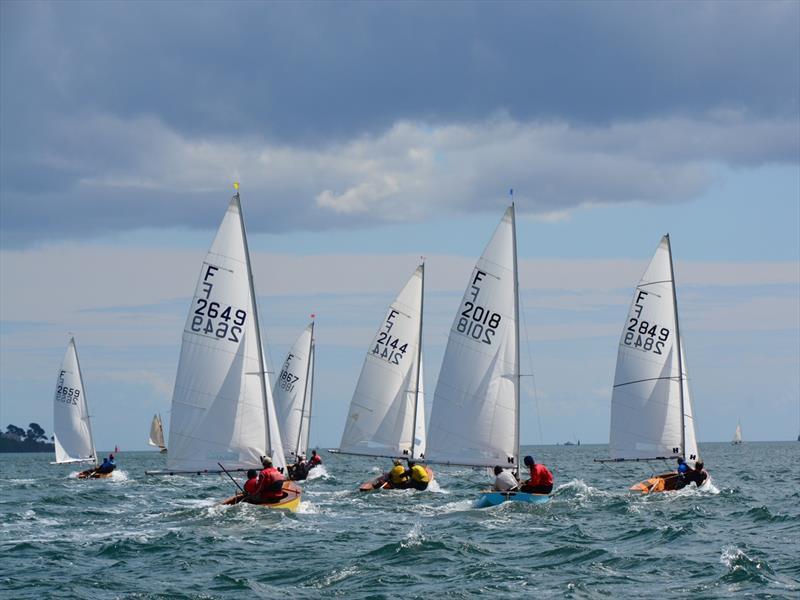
pixel 417 475
pixel 541 479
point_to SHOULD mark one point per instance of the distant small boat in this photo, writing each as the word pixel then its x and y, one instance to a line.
pixel 157 433
pixel 72 429
pixel 737 436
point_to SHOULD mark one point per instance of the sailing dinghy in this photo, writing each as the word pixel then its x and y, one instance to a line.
pixel 72 428
pixel 157 434
pixel 651 406
pixel 293 394
pixel 222 407
pixel 387 411
pixel 737 435
pixel 475 414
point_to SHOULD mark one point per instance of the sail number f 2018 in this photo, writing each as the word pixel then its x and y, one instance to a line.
pixel 642 334
pixel 213 318
pixel 475 321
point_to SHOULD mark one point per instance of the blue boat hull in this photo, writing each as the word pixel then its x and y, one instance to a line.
pixel 494 498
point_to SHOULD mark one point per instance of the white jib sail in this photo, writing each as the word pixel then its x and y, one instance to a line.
pixel 420 438
pixel 381 417
pixel 156 433
pixel 219 406
pixel 291 395
pixel 474 413
pixel 72 432
pixel 646 402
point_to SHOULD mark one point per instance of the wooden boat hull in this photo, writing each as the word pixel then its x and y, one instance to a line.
pixel 488 499
pixel 92 474
pixel 665 482
pixel 383 483
pixel 290 502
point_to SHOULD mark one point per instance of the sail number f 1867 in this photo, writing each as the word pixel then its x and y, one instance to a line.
pixel 476 321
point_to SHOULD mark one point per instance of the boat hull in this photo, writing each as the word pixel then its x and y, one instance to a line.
pixel 488 499
pixel 290 502
pixel 383 483
pixel 665 482
pixel 92 474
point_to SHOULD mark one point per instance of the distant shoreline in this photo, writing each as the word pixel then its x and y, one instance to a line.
pixel 8 445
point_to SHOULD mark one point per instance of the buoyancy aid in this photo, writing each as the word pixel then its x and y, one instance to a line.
pixel 540 475
pixel 398 475
pixel 419 474
pixel 251 486
pixel 271 483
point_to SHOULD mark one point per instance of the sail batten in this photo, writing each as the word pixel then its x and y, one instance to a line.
pixel 72 430
pixel 387 413
pixel 474 419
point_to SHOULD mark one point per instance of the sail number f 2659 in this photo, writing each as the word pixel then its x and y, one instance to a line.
pixel 475 321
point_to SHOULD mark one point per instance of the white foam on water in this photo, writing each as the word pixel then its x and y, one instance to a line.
pixel 319 472
pixel 307 507
pixel 413 537
pixel 338 575
pixel 434 487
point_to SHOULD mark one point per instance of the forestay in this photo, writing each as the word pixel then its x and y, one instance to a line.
pixel 72 432
pixel 475 405
pixel 292 394
pixel 381 417
pixel 647 420
pixel 221 403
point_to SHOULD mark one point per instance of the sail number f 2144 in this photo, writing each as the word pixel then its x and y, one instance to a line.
pixel 387 346
pixel 476 321
pixel 213 318
pixel 644 335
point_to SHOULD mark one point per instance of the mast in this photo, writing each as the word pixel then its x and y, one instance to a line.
pixel 516 333
pixel 419 363
pixel 678 345
pixel 261 369
pixel 85 403
pixel 309 388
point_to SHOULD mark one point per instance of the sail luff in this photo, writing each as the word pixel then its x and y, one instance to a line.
pixel 308 384
pixel 516 333
pixel 678 344
pixel 312 360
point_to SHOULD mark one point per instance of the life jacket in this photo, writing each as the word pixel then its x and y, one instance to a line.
pixel 271 484
pixel 419 474
pixel 540 475
pixel 315 460
pixel 398 475
pixel 251 486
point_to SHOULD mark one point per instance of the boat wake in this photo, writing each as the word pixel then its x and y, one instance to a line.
pixel 319 472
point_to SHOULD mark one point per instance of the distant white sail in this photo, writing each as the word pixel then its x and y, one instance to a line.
pixel 381 417
pixel 474 418
pixel 221 402
pixel 292 394
pixel 156 433
pixel 72 432
pixel 737 436
pixel 649 385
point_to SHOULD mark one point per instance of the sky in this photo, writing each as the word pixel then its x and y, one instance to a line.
pixel 366 135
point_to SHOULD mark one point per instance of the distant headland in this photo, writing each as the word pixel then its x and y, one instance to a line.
pixel 17 439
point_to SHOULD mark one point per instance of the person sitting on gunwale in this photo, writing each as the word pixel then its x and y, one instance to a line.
pixel 541 480
pixel 698 475
pixel 108 465
pixel 299 470
pixel 398 476
pixel 270 484
pixel 417 476
pixel 251 485
pixel 504 480
pixel 315 460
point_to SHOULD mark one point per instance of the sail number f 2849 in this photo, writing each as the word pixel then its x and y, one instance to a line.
pixel 476 321
pixel 641 334
pixel 215 319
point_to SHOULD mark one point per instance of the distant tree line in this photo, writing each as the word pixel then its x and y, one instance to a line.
pixel 17 439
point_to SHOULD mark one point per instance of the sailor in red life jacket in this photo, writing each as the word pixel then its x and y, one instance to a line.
pixel 315 460
pixel 270 482
pixel 251 485
pixel 541 481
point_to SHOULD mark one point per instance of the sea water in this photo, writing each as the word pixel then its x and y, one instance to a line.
pixel 138 536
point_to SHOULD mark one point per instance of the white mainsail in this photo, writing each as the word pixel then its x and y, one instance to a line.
pixel 156 433
pixel 72 432
pixel 737 436
pixel 475 413
pixel 292 394
pixel 651 407
pixel 221 405
pixel 386 408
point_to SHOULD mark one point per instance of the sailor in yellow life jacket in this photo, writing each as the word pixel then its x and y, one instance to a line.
pixel 418 476
pixel 398 476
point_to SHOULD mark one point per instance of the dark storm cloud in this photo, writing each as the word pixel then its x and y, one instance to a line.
pixel 94 95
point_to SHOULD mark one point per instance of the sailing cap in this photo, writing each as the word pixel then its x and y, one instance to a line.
pixel 529 461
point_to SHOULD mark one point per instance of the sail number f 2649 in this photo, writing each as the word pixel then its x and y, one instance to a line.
pixel 215 319
pixel 475 321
